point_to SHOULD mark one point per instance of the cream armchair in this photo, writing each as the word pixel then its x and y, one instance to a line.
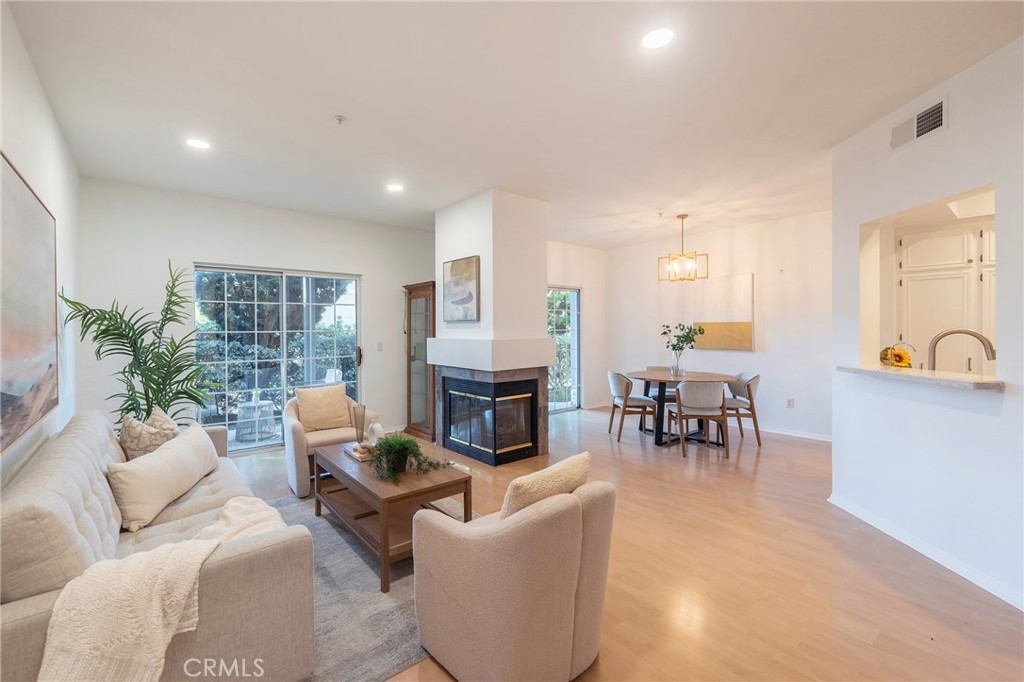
pixel 299 443
pixel 520 597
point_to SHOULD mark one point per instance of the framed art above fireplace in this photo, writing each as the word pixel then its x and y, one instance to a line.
pixel 461 290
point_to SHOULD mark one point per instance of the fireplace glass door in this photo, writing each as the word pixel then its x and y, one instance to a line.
pixel 471 420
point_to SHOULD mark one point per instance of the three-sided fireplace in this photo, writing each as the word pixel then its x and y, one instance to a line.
pixel 495 423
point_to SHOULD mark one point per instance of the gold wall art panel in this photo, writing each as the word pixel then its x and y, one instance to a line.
pixel 725 336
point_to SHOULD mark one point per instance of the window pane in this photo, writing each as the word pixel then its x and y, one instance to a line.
pixel 241 347
pixel 323 290
pixel 345 291
pixel 268 346
pixel 209 317
pixel 268 374
pixel 324 316
pixel 296 345
pixel 325 345
pixel 324 371
pixel 295 316
pixel 268 317
pixel 241 287
pixel 296 374
pixel 213 411
pixel 241 376
pixel 209 286
pixel 346 341
pixel 213 378
pixel 210 347
pixel 268 288
pixel 348 368
pixel 241 317
pixel 296 292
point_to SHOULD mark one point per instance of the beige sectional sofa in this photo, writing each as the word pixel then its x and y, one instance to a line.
pixel 59 517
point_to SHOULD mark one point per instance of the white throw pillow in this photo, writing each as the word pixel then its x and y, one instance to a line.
pixel 323 408
pixel 141 438
pixel 563 477
pixel 143 487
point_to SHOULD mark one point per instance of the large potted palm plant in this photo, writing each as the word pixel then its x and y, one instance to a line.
pixel 161 370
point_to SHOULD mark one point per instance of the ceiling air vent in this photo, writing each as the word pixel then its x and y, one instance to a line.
pixel 931 119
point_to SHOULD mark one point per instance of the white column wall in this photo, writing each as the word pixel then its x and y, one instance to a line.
pixel 509 233
pixel 520 268
pixel 939 469
pixel 129 232
pixel 461 230
pixel 34 143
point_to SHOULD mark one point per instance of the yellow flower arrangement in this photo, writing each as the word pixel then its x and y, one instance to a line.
pixel 897 357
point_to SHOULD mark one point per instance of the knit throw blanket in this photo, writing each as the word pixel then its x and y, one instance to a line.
pixel 114 621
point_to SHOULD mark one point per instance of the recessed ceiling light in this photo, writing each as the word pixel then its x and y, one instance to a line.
pixel 198 144
pixel 395 187
pixel 658 38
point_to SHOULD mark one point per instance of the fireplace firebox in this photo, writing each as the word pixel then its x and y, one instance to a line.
pixel 495 423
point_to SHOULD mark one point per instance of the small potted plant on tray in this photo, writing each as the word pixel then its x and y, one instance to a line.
pixel 393 455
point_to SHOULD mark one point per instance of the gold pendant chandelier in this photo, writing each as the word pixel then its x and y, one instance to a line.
pixel 682 266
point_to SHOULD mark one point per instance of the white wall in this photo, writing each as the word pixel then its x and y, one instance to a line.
pixel 32 140
pixel 584 268
pixel 792 301
pixel 129 232
pixel 937 468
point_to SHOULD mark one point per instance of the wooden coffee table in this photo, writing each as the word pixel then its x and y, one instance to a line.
pixel 379 513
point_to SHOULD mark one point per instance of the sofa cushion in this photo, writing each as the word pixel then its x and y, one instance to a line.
pixel 141 438
pixel 324 407
pixel 58 513
pixel 317 439
pixel 153 536
pixel 144 486
pixel 211 492
pixel 563 477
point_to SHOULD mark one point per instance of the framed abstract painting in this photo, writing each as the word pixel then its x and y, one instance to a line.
pixel 461 298
pixel 28 308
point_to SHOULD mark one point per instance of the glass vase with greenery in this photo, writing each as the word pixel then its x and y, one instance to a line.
pixel 162 370
pixel 679 340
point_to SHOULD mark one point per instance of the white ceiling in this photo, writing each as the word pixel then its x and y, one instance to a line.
pixel 731 123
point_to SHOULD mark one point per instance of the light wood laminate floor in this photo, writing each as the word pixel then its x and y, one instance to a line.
pixel 740 569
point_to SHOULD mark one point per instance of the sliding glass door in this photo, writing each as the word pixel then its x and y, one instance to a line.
pixel 261 335
pixel 564 328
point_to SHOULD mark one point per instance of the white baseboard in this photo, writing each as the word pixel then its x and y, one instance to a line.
pixel 1013 597
pixel 796 434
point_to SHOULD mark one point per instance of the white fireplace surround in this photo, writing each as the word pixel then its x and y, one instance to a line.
pixel 491 355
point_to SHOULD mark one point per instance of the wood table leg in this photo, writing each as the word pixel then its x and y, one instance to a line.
pixel 659 416
pixel 316 486
pixel 467 503
pixel 385 548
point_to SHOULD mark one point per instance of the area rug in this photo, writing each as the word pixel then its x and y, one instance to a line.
pixel 361 634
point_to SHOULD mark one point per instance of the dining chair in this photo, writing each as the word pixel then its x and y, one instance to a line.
pixel 700 400
pixel 741 404
pixel 621 387
pixel 670 391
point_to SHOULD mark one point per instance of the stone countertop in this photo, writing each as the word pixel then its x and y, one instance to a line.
pixel 970 382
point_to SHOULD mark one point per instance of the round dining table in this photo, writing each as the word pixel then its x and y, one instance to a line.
pixel 664 378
